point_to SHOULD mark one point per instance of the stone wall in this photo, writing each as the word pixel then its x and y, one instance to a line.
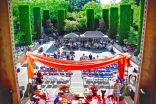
pixel 120 48
pixel 21 55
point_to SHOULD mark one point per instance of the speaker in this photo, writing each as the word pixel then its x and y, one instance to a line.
pixel 21 94
pixel 144 96
pixel 21 88
pixel 7 96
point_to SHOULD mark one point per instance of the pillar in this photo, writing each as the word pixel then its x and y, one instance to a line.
pixel 8 77
pixel 147 67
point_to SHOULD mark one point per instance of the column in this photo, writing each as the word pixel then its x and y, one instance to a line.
pixel 147 68
pixel 8 77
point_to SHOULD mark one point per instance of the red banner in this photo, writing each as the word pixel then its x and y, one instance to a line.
pixel 120 59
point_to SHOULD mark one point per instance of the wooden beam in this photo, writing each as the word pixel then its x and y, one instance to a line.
pixel 8 77
pixel 147 68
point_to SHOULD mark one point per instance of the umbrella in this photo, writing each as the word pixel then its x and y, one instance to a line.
pixel 71 35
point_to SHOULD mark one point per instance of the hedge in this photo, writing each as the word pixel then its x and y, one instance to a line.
pixel 60 21
pixel 132 13
pixel 125 21
pixel 105 16
pixel 46 17
pixel 24 19
pixel 37 22
pixel 113 20
pixel 140 25
pixel 65 14
pixel 90 19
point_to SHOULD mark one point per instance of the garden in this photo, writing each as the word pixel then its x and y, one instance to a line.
pixel 37 19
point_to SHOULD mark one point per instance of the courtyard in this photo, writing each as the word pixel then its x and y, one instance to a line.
pixel 76 83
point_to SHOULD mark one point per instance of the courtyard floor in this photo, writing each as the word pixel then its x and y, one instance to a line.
pixel 76 79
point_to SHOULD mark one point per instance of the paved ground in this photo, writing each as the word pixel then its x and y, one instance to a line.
pixel 76 79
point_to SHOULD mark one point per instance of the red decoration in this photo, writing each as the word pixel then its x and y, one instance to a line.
pixel 63 88
pixel 121 59
pixel 93 88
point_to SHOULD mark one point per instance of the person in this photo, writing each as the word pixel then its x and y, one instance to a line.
pixel 83 56
pixel 122 89
pixel 133 74
pixel 116 92
pixel 97 57
pixel 72 58
pixel 90 56
pixel 138 57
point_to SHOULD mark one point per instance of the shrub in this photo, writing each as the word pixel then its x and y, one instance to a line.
pixel 37 22
pixel 113 20
pixel 90 19
pixel 105 15
pixel 125 21
pixel 60 20
pixel 24 18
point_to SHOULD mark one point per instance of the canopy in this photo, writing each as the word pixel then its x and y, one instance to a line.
pixel 71 35
pixel 120 59
pixel 93 34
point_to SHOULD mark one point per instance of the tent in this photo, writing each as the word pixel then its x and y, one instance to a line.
pixel 93 34
pixel 120 59
pixel 71 35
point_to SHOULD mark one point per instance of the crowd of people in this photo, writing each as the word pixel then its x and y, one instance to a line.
pixel 89 43
pixel 22 49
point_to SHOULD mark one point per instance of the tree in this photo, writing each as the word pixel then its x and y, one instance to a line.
pixel 60 20
pixel 124 26
pixel 96 6
pixel 70 26
pixel 50 28
pixel 140 25
pixel 132 38
pixel 24 18
pixel 37 22
pixel 46 17
pixel 105 16
pixel 113 20
pixel 102 26
pixel 90 19
pixel 132 12
pixel 81 23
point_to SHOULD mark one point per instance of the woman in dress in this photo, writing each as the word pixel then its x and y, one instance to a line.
pixel 116 93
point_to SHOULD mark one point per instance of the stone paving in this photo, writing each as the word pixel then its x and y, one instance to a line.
pixel 76 79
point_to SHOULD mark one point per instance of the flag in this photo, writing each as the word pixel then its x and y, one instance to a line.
pixel 30 67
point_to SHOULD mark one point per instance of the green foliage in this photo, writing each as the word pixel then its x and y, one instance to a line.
pixel 81 23
pixel 90 19
pixel 105 16
pixel 50 28
pixel 132 12
pixel 125 20
pixel 46 17
pixel 132 38
pixel 70 26
pixel 81 14
pixel 136 11
pixel 96 6
pixel 140 25
pixel 37 22
pixel 60 20
pixel 18 38
pixel 24 18
pixel 102 26
pixel 113 20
